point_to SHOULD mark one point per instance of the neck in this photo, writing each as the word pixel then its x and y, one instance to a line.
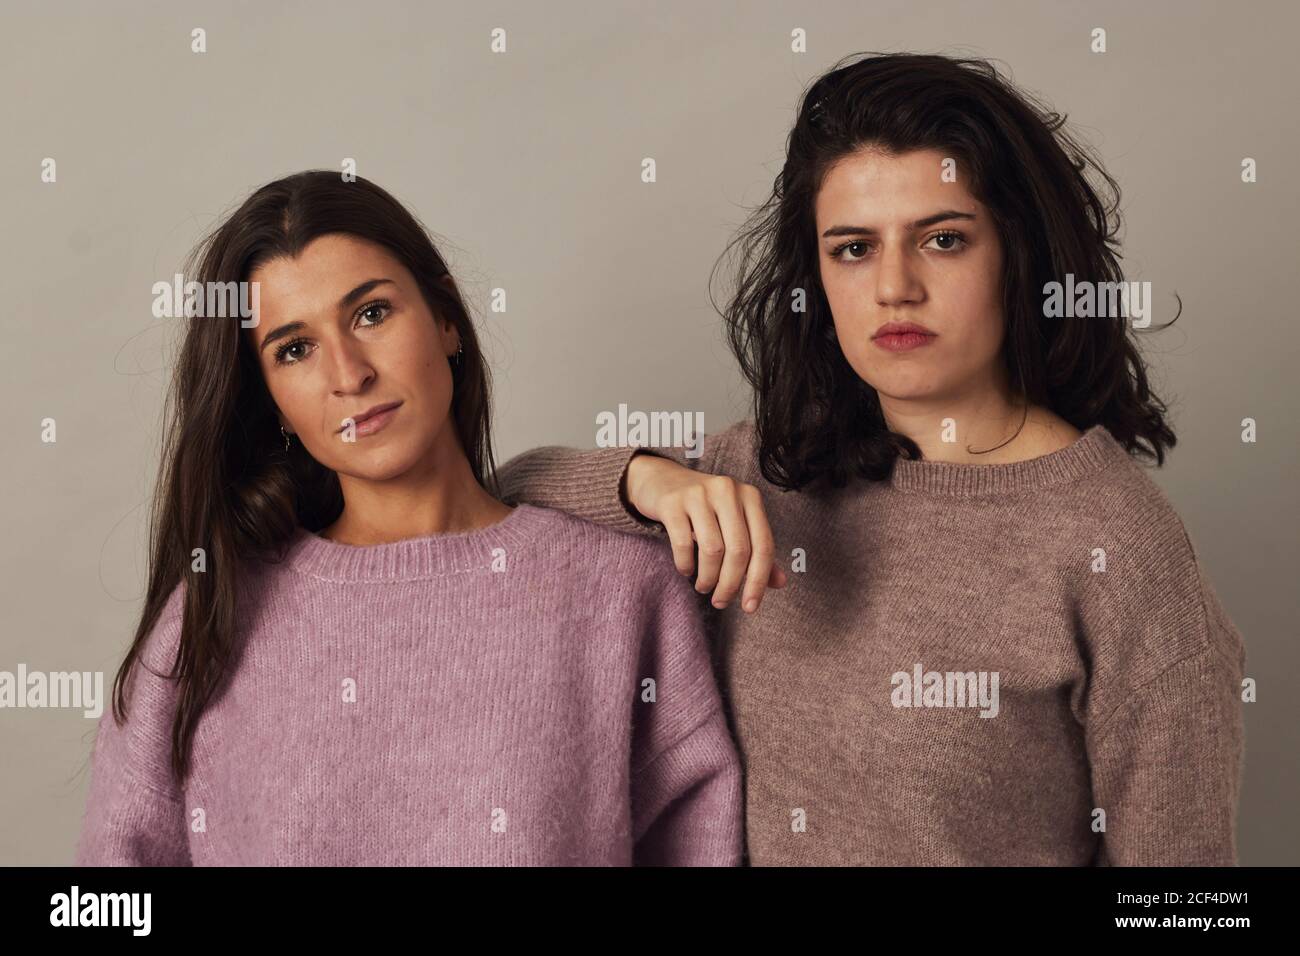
pixel 438 496
pixel 987 427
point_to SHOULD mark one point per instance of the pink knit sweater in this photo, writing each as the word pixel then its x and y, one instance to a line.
pixel 537 692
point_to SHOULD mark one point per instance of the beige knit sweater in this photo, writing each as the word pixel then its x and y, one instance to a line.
pixel 972 664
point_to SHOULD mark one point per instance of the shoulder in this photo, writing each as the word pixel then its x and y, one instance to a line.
pixel 622 559
pixel 1120 499
pixel 159 649
pixel 735 446
pixel 595 543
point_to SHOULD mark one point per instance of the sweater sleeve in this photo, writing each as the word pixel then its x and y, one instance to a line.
pixel 590 483
pixel 1164 728
pixel 687 797
pixel 135 813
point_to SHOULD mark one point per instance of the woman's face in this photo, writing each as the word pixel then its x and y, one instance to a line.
pixel 366 338
pixel 898 244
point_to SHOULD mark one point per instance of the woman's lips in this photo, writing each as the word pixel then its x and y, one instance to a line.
pixel 903 341
pixel 375 422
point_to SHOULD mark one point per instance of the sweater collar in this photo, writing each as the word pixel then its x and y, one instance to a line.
pixel 1091 452
pixel 426 556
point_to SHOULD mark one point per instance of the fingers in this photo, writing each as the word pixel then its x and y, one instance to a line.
pixel 763 548
pixel 709 541
pixel 719 533
pixel 678 526
pixel 730 503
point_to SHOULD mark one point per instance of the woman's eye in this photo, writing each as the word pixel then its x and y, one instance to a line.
pixel 375 307
pixel 283 351
pixel 859 246
pixel 948 241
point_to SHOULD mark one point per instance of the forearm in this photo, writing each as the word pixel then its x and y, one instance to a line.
pixel 587 483
pixel 599 484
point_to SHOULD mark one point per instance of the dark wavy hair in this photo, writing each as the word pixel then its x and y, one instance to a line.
pixel 226 482
pixel 817 423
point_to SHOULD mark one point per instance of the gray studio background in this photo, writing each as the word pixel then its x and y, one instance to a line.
pixel 528 165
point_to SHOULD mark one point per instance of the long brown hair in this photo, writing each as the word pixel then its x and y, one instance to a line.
pixel 226 482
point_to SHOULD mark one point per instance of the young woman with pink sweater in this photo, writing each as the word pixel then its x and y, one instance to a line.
pixel 351 652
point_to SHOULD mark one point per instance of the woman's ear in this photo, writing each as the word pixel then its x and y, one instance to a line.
pixel 450 337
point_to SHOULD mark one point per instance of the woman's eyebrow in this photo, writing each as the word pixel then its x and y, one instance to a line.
pixel 938 217
pixel 361 290
pixel 280 332
pixel 291 327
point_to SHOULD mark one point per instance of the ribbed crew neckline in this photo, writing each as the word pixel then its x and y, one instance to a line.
pixel 425 556
pixel 1091 452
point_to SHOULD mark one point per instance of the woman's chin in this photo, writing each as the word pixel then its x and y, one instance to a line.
pixel 907 389
pixel 374 463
